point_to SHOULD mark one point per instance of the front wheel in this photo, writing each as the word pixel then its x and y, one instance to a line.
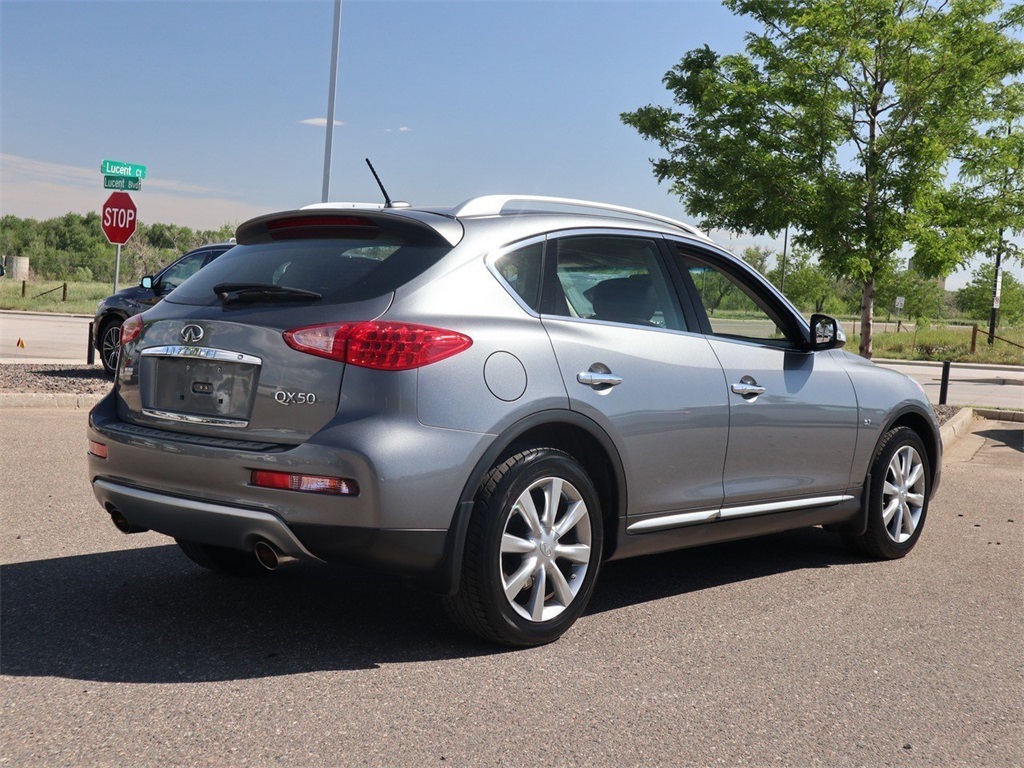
pixel 897 496
pixel 533 550
pixel 110 345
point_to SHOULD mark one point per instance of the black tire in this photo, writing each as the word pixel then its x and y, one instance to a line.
pixel 561 546
pixel 225 560
pixel 897 497
pixel 109 345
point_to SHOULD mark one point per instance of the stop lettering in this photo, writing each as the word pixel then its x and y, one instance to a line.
pixel 119 218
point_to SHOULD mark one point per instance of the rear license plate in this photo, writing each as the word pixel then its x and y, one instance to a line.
pixel 200 387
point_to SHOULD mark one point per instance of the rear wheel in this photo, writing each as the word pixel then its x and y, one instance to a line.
pixel 233 562
pixel 897 497
pixel 533 550
pixel 110 344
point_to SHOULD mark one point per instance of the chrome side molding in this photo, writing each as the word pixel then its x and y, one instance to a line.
pixel 678 519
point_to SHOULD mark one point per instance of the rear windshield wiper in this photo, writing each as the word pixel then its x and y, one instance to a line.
pixel 231 293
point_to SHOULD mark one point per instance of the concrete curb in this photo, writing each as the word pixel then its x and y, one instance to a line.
pixel 48 400
pixel 959 425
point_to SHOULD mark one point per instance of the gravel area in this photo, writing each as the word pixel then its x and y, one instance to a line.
pixel 89 380
pixel 54 379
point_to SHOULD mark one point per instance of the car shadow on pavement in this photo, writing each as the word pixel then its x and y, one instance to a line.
pixel 148 615
pixel 642 579
pixel 1011 438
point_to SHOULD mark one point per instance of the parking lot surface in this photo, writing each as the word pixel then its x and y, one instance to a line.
pixel 116 651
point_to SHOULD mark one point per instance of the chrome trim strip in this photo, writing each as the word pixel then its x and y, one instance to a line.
pixel 676 520
pixel 783 506
pixel 204 353
pixel 672 521
pixel 185 418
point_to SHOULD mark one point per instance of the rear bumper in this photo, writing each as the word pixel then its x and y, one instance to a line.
pixel 417 552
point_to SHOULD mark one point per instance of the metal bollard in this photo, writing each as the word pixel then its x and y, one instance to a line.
pixel 944 387
pixel 90 350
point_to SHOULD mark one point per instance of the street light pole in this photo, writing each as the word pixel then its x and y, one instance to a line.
pixel 330 102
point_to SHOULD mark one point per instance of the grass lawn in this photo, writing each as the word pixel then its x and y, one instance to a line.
pixel 48 296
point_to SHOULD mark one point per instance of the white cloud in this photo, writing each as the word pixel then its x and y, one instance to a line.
pixel 320 122
pixel 403 129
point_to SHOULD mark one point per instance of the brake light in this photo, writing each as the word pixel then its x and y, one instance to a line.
pixel 287 481
pixel 379 345
pixel 298 227
pixel 130 329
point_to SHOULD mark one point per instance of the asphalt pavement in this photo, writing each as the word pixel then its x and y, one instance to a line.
pixel 786 650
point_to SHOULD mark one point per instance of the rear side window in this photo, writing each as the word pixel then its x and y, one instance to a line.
pixel 616 279
pixel 340 270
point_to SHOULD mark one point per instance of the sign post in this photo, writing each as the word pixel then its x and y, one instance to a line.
pixel 118 220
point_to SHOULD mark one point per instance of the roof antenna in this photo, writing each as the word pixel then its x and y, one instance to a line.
pixel 387 200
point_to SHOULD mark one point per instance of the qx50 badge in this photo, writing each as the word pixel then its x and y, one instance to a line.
pixel 191 334
pixel 295 398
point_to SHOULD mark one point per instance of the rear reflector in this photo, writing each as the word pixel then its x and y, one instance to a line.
pixel 286 481
pixel 379 345
pixel 99 450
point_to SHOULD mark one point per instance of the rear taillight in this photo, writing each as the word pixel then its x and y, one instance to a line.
pixel 379 345
pixel 288 481
pixel 130 329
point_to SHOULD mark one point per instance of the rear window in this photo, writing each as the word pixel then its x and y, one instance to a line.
pixel 339 270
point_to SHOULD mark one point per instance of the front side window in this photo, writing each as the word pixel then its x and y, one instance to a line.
pixel 182 270
pixel 734 308
pixel 618 279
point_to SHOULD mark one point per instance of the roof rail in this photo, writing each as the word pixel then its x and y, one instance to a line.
pixel 492 205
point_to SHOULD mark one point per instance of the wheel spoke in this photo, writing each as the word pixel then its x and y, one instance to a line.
pixel 889 489
pixel 552 497
pixel 916 500
pixel 890 509
pixel 562 589
pixel 897 525
pixel 909 521
pixel 528 511
pixel 915 475
pixel 572 516
pixel 576 553
pixel 535 605
pixel 514 545
pixel 515 584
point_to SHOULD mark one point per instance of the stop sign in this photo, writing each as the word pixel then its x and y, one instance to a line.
pixel 118 218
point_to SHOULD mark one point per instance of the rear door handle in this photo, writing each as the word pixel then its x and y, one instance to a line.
pixel 598 379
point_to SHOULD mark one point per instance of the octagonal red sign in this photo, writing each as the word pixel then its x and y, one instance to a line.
pixel 118 218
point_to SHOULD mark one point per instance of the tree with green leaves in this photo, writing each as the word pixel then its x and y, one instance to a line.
pixel 975 298
pixel 840 120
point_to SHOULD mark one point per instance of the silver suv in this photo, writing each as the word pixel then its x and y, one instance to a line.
pixel 493 400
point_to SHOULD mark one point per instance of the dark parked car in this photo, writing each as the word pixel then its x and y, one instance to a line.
pixel 493 400
pixel 115 309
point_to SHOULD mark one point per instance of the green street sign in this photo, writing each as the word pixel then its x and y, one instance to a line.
pixel 121 182
pixel 117 168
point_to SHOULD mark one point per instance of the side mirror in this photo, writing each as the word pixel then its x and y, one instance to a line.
pixel 147 281
pixel 825 333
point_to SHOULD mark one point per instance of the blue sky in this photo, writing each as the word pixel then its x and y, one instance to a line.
pixel 448 99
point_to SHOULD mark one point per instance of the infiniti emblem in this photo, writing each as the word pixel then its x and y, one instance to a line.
pixel 190 334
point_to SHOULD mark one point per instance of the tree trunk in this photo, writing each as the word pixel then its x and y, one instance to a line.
pixel 867 310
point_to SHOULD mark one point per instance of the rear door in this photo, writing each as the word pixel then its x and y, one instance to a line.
pixel 630 362
pixel 792 413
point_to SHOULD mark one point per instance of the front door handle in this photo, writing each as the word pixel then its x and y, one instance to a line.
pixel 598 379
pixel 748 387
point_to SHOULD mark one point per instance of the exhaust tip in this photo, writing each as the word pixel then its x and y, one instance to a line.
pixel 266 555
pixel 122 524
